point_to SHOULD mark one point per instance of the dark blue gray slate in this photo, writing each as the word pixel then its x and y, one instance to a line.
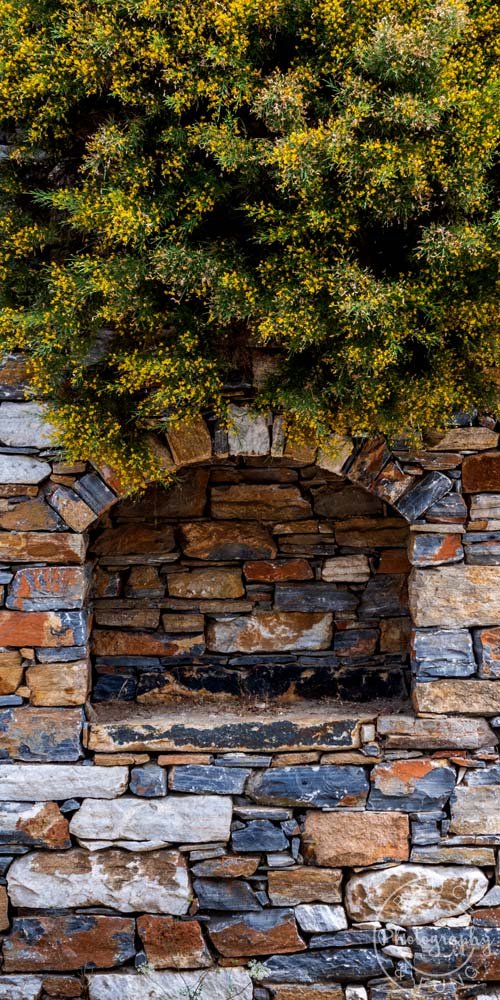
pixel 94 492
pixel 466 953
pixel 259 835
pixel 45 654
pixel 341 965
pixel 425 493
pixel 313 597
pixel 198 778
pixel 428 792
pixel 318 785
pixel 443 653
pixel 225 894
pixel 149 781
pixel 385 597
pixel 350 939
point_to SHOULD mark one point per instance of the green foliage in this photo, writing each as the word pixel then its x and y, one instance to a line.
pixel 181 179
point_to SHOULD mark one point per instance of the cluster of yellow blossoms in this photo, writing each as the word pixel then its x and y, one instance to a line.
pixel 181 180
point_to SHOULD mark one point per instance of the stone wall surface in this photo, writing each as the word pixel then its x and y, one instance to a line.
pixel 278 826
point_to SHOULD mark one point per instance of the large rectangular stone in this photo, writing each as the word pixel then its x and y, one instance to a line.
pixel 22 469
pixel 156 881
pixel 271 631
pixel 349 839
pixel 322 786
pixel 42 546
pixel 481 473
pixel 219 984
pixel 43 782
pixel 41 734
pixel 33 824
pixel 440 733
pixel 470 697
pixel 66 942
pixel 443 652
pixel 411 785
pixel 187 819
pixel 43 628
pixel 305 884
pixel 302 727
pixel 59 684
pixel 118 643
pixel 451 596
pixel 224 540
pixel 273 930
pixel 262 502
pixel 49 588
pixel 475 805
pixel 313 597
pixel 466 955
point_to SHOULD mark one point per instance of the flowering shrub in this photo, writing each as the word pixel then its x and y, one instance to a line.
pixel 181 179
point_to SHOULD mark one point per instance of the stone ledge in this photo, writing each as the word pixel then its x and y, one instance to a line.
pixel 296 727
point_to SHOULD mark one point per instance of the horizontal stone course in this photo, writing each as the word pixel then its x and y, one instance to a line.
pixel 45 782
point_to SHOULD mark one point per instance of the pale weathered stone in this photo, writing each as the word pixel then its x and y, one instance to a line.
pixel 475 806
pixel 220 984
pixel 318 918
pixel 59 683
pixel 185 819
pixel 270 631
pixel 248 432
pixel 414 894
pixel 485 507
pixel 470 696
pixel 355 838
pixel 43 782
pixel 34 824
pixel 441 732
pixel 22 469
pixel 40 546
pixel 25 425
pixel 73 510
pixel 334 453
pixel 304 884
pixel 20 987
pixel 157 881
pixel 346 569
pixel 466 439
pixel 451 596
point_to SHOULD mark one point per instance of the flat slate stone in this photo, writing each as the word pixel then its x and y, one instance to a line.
pixel 314 596
pixel 95 493
pixel 470 956
pixel 270 931
pixel 411 785
pixel 49 588
pixel 470 695
pixel 302 727
pixel 270 631
pixel 101 941
pixel 438 733
pixel 341 965
pixel 149 780
pixel 197 778
pixel 455 596
pixel 33 824
pixel 225 540
pixel 24 425
pixel 227 894
pixel 259 835
pixel 350 838
pixel 384 597
pixel 20 987
pixel 44 628
pixel 44 782
pixel 41 734
pixel 444 652
pixel 325 785
pixel 430 489
pixel 22 469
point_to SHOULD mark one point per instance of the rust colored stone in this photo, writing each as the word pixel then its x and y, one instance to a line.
pixel 190 442
pixel 128 618
pixel 481 473
pixel 394 561
pixel 63 986
pixel 62 943
pixel 43 628
pixel 468 697
pixel 487 916
pixel 144 581
pixel 227 866
pixel 306 884
pixel 143 644
pixel 270 632
pixel 207 583
pixel 266 932
pixel 227 540
pixel 34 824
pixel 173 944
pixel 370 533
pixel 166 759
pixel 8 490
pixel 30 515
pixel 395 635
pixel 135 539
pixel 73 510
pixel 10 677
pixel 34 546
pixel 59 683
pixel 433 549
pixel 355 838
pixel 4 909
pixel 263 502
pixel 369 461
pixel 189 622
pixel 50 586
pixel 41 734
pixel 303 992
pixel 272 571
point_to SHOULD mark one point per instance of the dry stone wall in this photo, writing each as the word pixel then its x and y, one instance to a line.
pixel 287 847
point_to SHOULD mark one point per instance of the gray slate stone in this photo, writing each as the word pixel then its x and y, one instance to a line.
pixel 318 785
pixel 149 781
pixel 465 951
pixel 22 469
pixel 430 489
pixel 259 835
pixel 430 791
pixel 200 778
pixel 24 425
pixel 339 965
pixel 384 597
pixel 225 894
pixel 94 492
pixel 313 597
pixel 443 653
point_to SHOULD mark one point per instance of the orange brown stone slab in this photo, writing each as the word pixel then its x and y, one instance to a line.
pixel 355 838
pixel 173 944
pixel 481 473
pixel 40 546
pixel 305 884
pixel 36 943
pixel 265 932
pixel 4 909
